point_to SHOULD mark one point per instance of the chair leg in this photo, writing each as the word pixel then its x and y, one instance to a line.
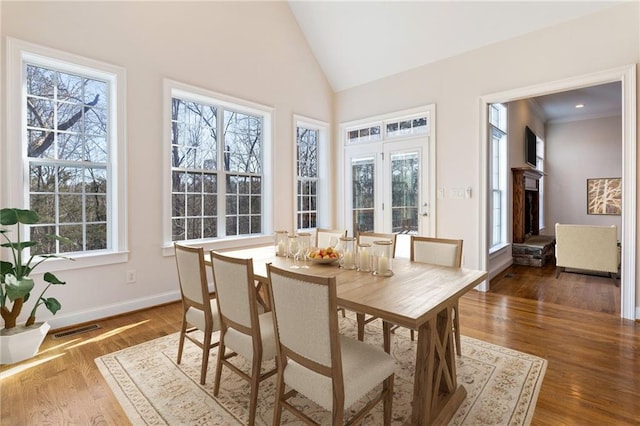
pixel 221 350
pixel 387 403
pixel 613 277
pixel 413 336
pixel 386 336
pixel 360 318
pixel 205 356
pixel 277 408
pixel 183 332
pixel 456 329
pixel 255 382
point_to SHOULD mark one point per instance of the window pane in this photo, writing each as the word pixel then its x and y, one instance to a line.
pixel 242 143
pixel 195 149
pixel 68 194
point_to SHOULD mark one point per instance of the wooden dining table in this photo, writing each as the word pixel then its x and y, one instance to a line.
pixel 418 296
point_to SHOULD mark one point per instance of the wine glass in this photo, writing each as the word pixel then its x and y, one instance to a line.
pixel 333 242
pixel 294 250
pixel 305 248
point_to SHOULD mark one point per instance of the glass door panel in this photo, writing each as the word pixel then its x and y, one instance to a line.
pixel 363 178
pixel 405 184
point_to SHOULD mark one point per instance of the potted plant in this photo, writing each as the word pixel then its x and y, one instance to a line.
pixel 19 342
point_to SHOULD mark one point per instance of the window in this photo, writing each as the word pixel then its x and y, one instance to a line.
pixel 540 166
pixel 307 172
pixel 497 179
pixel 217 151
pixel 70 115
pixel 311 172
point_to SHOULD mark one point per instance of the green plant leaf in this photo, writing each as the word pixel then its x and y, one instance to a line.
pixel 17 289
pixel 19 245
pixel 50 278
pixel 14 216
pixel 6 268
pixel 52 304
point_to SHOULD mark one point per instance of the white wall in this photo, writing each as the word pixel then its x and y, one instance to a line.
pixel 577 151
pixel 252 51
pixel 598 42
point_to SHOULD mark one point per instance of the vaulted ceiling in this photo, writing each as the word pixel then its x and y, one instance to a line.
pixel 356 42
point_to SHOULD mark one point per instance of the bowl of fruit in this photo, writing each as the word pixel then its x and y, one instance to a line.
pixel 323 255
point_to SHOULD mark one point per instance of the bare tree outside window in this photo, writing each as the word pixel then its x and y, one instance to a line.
pixel 67 148
pixel 200 158
pixel 307 173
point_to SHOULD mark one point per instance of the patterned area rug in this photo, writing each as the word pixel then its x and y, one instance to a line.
pixel 502 384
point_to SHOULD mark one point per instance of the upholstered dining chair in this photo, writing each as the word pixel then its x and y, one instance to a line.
pixel 370 238
pixel 314 360
pixel 199 309
pixel 444 252
pixel 323 236
pixel 243 329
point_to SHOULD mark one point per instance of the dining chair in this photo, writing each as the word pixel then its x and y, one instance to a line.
pixel 370 238
pixel 243 329
pixel 443 252
pixel 323 236
pixel 199 309
pixel 314 360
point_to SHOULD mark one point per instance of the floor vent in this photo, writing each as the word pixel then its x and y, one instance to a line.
pixel 76 331
pixel 509 275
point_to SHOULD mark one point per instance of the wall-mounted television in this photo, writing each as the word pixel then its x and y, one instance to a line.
pixel 530 147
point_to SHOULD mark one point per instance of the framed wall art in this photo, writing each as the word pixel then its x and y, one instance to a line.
pixel 604 196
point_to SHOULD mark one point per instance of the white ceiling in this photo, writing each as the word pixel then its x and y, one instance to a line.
pixel 356 42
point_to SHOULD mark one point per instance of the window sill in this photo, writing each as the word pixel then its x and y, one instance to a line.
pixel 498 249
pixel 83 261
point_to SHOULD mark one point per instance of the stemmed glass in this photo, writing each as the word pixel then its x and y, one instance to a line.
pixel 304 241
pixel 294 250
pixel 333 242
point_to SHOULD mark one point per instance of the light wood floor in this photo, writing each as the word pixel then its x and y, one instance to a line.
pixel 592 378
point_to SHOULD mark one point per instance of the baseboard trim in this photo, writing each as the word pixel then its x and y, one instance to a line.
pixel 106 311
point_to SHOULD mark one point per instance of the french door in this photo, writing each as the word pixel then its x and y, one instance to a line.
pixel 388 187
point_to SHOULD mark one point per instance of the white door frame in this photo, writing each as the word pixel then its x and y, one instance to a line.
pixel 627 76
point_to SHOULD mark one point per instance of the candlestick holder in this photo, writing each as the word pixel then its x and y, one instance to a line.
pixel 348 255
pixel 382 258
pixel 281 243
pixel 364 257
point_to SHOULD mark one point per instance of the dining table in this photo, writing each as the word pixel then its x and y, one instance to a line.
pixel 418 296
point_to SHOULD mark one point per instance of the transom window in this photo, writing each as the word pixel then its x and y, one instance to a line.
pixel 217 156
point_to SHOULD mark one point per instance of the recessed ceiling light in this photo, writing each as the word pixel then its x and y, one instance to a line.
pixel 580 106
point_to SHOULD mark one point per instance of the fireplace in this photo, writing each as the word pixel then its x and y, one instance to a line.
pixel 526 203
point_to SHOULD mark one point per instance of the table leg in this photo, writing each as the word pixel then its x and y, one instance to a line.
pixel 436 394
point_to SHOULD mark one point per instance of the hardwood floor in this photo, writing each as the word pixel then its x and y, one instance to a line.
pixel 591 379
pixel 590 292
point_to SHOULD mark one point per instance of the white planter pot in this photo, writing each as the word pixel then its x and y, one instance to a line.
pixel 20 343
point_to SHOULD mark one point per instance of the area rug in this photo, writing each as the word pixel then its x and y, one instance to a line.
pixel 502 384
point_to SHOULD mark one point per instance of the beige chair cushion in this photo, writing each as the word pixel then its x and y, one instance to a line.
pixel 242 343
pixel 587 247
pixel 363 366
pixel 435 253
pixel 196 317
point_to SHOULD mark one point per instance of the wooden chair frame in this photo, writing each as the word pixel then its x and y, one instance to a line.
pixel 201 305
pixel 334 372
pixel 457 264
pixel 338 232
pixel 254 378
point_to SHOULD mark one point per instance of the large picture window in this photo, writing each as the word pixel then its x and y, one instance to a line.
pixel 217 168
pixel 69 109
